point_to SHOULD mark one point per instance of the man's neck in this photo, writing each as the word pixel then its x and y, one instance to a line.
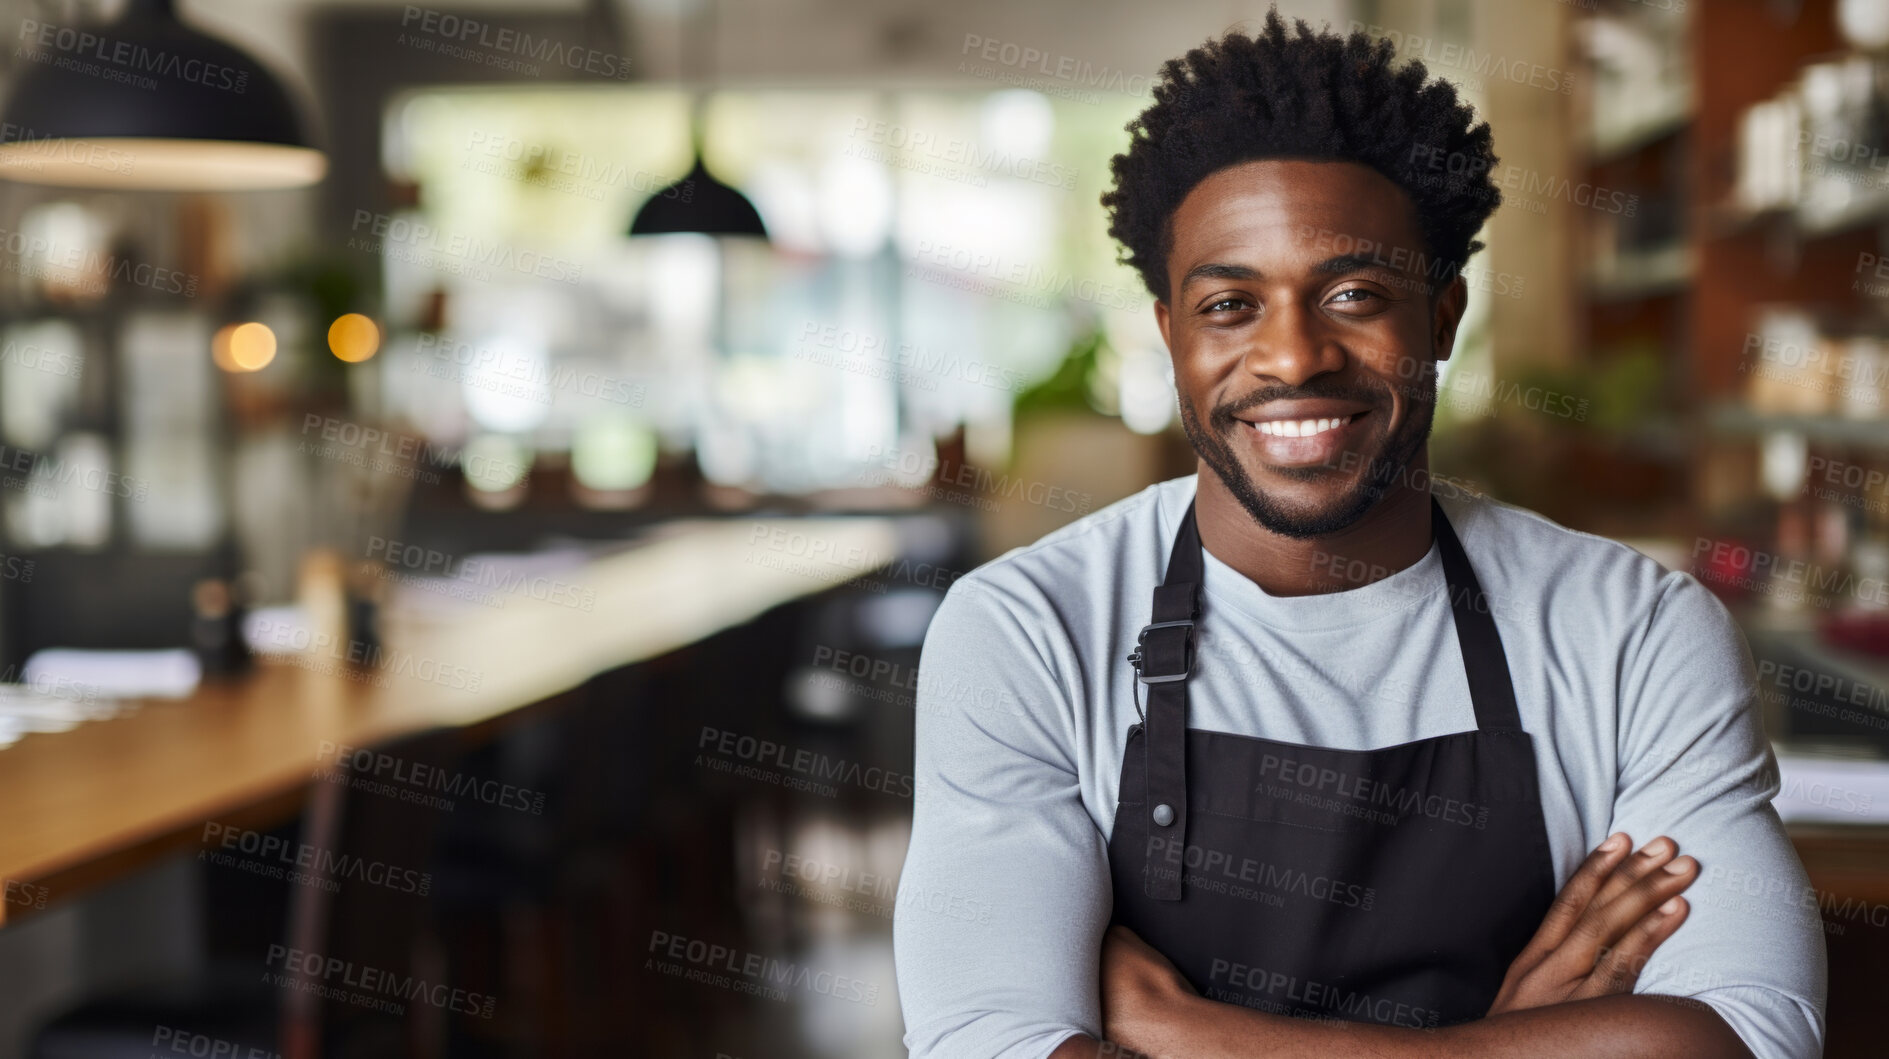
pixel 1393 535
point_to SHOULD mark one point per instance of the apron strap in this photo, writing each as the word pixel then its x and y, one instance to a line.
pixel 1164 659
pixel 1484 661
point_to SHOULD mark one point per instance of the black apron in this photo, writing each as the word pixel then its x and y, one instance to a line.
pixel 1392 886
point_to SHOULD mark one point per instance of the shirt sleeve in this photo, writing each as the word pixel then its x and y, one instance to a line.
pixel 1695 765
pixel 1005 893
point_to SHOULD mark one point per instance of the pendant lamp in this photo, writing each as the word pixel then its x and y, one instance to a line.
pixel 148 103
pixel 699 202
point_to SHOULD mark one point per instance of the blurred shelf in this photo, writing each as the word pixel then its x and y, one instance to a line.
pixel 1804 222
pixel 1740 421
pixel 1859 212
pixel 1615 139
pixel 1796 640
pixel 1643 274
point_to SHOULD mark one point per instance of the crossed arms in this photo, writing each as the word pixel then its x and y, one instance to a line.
pixel 1567 994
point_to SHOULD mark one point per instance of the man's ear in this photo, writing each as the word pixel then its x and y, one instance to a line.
pixel 1161 321
pixel 1445 315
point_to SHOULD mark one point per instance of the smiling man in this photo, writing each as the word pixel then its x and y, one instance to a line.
pixel 1305 754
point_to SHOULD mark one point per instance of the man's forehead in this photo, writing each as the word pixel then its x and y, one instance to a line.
pixel 1298 207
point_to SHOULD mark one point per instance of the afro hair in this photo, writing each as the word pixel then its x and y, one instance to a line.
pixel 1312 97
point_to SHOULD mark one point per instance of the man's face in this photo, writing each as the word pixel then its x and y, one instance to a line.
pixel 1305 322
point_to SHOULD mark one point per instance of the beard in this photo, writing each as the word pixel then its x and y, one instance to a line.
pixel 1389 466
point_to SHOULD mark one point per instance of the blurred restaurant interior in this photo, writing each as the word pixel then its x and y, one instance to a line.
pixel 449 449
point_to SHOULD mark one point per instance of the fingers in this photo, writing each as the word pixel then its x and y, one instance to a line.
pixel 1655 854
pixel 1619 967
pixel 1575 896
pixel 1607 922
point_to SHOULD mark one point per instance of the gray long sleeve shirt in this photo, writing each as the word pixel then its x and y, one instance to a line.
pixel 1628 677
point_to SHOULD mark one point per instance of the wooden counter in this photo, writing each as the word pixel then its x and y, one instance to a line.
pixel 92 803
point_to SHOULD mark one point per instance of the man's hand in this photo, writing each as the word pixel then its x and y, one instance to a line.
pixel 1603 926
pixel 1141 991
pixel 1563 993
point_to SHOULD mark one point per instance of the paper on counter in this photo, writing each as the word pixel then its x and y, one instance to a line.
pixel 1832 790
pixel 166 674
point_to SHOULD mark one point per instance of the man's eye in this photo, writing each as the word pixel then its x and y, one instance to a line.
pixel 1362 295
pixel 1226 305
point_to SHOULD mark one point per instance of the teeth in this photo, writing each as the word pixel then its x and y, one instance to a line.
pixel 1299 428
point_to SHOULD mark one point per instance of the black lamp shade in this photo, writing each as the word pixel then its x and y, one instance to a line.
pixel 701 204
pixel 148 102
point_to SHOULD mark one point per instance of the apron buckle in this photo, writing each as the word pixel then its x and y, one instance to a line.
pixel 1187 652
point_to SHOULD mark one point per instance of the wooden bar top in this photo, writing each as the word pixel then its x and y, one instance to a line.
pixel 85 805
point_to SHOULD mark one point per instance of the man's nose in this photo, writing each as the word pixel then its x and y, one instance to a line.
pixel 1290 347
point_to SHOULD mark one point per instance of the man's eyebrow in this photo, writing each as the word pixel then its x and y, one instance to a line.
pixel 1215 270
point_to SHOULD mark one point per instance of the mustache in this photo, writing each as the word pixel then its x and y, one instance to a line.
pixel 1223 414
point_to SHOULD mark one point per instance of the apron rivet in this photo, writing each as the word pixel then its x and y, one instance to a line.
pixel 1164 814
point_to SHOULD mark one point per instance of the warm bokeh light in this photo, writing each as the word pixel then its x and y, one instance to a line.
pixel 353 337
pixel 251 346
pixel 160 163
pixel 220 348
